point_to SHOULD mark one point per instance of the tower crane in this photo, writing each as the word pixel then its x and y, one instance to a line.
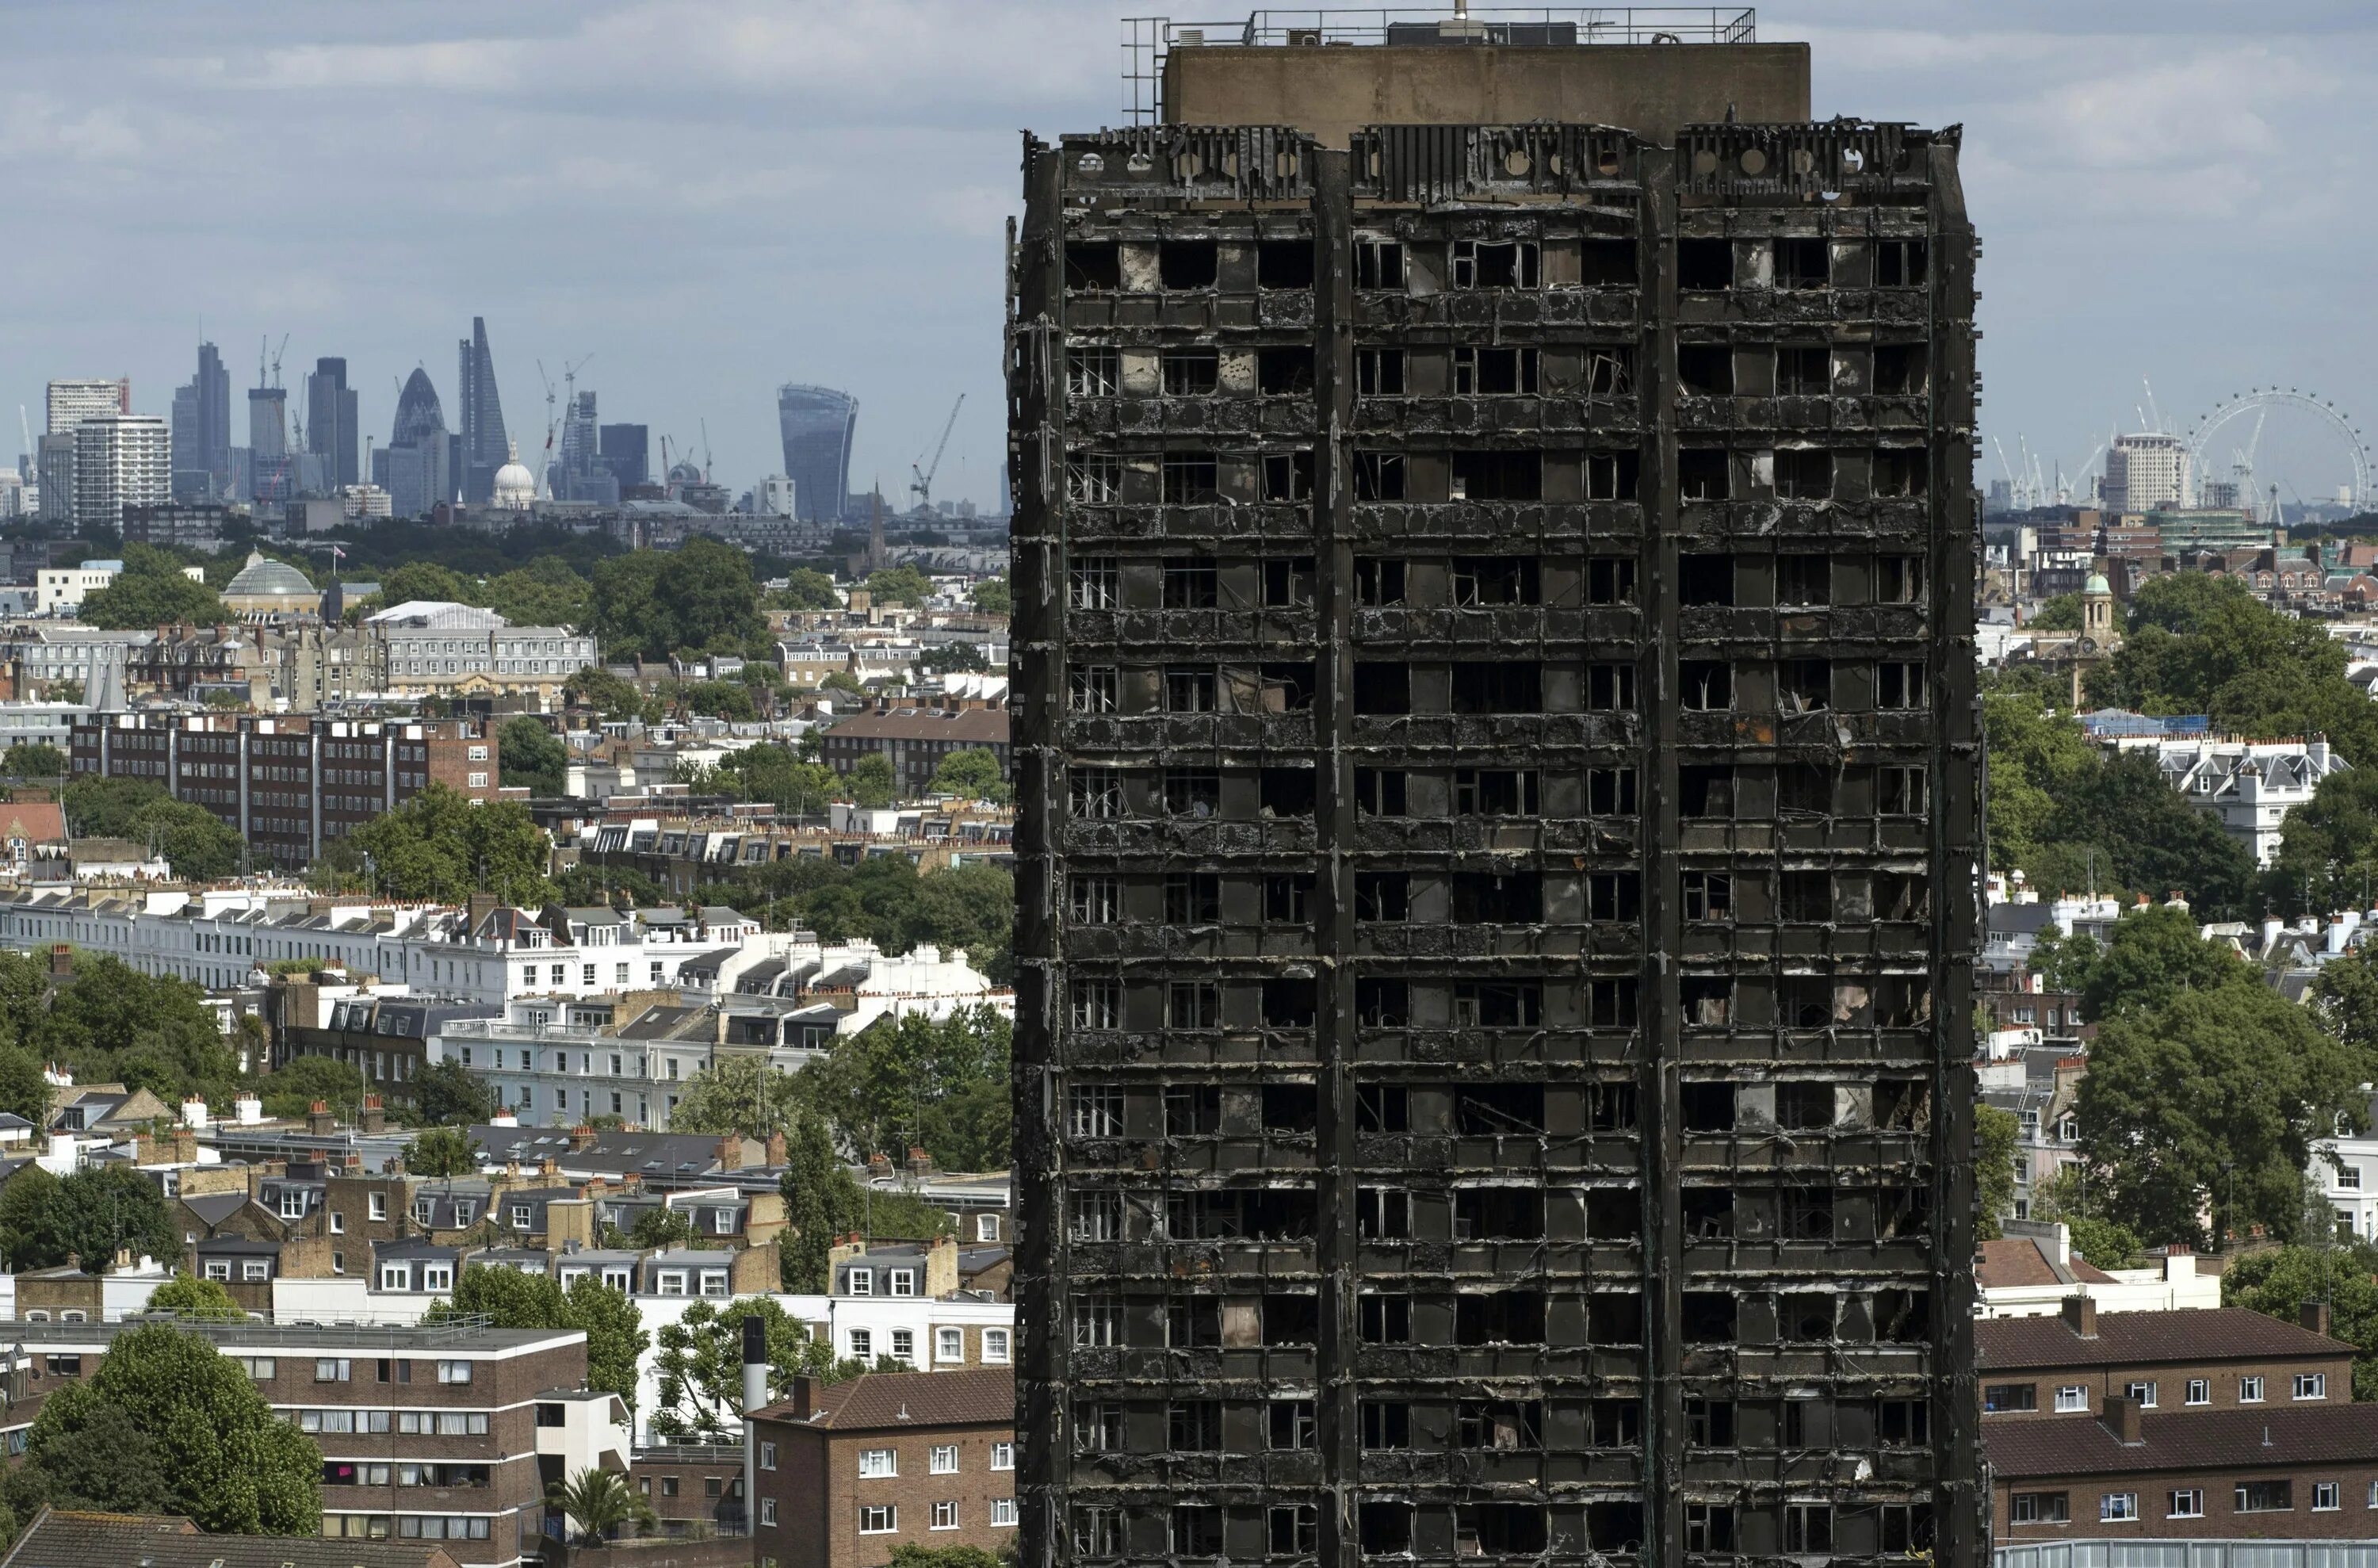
pixel 705 451
pixel 546 466
pixel 923 485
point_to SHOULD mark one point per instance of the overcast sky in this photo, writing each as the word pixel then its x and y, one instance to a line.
pixel 712 196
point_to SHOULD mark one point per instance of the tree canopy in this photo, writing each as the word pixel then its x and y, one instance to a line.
pixel 151 592
pixel 899 584
pixel 198 844
pixel 188 1296
pixel 613 1324
pixel 974 773
pixel 993 596
pixel 33 759
pixel 871 783
pixel 700 1365
pixel 698 599
pixel 533 757
pixel 808 588
pixel 946 1084
pixel 2278 1281
pixel 441 847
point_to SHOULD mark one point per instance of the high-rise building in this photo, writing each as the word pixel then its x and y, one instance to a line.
pixel 69 404
pixel 193 479
pixel 817 425
pixel 578 471
pixel 53 473
pixel 1499 784
pixel 2146 473
pixel 270 476
pixel 626 451
pixel 120 460
pixel 483 447
pixel 330 429
pixel 212 384
pixel 414 468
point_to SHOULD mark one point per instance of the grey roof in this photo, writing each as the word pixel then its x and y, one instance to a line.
pixel 57 1538
pixel 214 1208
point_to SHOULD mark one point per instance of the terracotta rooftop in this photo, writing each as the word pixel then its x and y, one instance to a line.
pixel 881 1401
pixel 2215 1441
pixel 2219 1333
pixel 2019 1260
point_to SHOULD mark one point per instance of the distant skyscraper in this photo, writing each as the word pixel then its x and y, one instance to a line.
pixel 270 476
pixel 578 472
pixel 484 445
pixel 193 480
pixel 213 387
pixel 71 402
pixel 816 424
pixel 625 451
pixel 416 473
pixel 120 460
pixel 330 429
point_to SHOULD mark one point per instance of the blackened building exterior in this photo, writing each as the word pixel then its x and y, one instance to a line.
pixel 1499 784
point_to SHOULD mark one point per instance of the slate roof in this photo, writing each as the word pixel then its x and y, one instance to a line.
pixel 878 1401
pixel 2217 1333
pixel 59 1539
pixel 2215 1441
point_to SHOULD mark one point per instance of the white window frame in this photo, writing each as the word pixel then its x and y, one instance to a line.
pixel 1003 1513
pixel 2249 1391
pixel 767 1456
pixel 2311 1385
pixel 2072 1397
pixel 949 1344
pixel 996 1345
pixel 2333 1491
pixel 2144 1393
pixel 900 1282
pixel 943 1460
pixel 1003 1457
pixel 768 1513
pixel 2118 1508
pixel 862 1344
pixel 2186 1503
pixel 879 1464
pixel 859 1281
pixel 879 1518
pixel 2200 1391
pixel 944 1515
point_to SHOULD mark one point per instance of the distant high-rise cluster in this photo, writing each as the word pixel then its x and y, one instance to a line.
pixel 484 448
pixel 331 431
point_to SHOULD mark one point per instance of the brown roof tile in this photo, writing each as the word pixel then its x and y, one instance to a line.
pixel 63 1538
pixel 2017 1260
pixel 2211 1440
pixel 2218 1334
pixel 876 1401
pixel 976 726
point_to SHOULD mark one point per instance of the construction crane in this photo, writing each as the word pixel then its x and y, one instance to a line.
pixel 923 486
pixel 705 451
pixel 546 466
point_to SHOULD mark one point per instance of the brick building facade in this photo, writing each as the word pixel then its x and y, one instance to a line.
pixel 2225 1358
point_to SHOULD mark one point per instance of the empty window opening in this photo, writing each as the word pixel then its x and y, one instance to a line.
pixel 1708 1526
pixel 1191 584
pixel 1614 1316
pixel 1380 791
pixel 1192 1110
pixel 1805 1314
pixel 1381 687
pixel 1802 579
pixel 1804 1107
pixel 1901 370
pixel 1902 263
pixel 1193 897
pixel 1702 473
pixel 1498 686
pixel 1804 473
pixel 1095 901
pixel 1708 1317
pixel 1804 685
pixel 1092 688
pixel 1288 582
pixel 1705 579
pixel 1192 1004
pixel 1611 791
pixel 1803 263
pixel 1379 373
pixel 1093 478
pixel 1192 372
pixel 1188 689
pixel 1378 476
pixel 1609 373
pixel 1505 1424
pixel 1704 264
pixel 1899 684
pixel 1286 791
pixel 1093 583
pixel 1378 583
pixel 1284 372
pixel 1383 896
pixel 1503 1317
pixel 1705 789
pixel 1278 687
pixel 1188 263
pixel 1498 475
pixel 1709 895
pixel 1384 1004
pixel 1706 684
pixel 1291 1107
pixel 1610 688
pixel 1706 1107
pixel 1097 1110
pixel 1613 1214
pixel 1808 1526
pixel 1803 370
pixel 1093 267
pixel 1091 372
pixel 1382 1214
pixel 1807 896
pixel 1284 263
pixel 1614 895
pixel 1901 471
pixel 1496 579
pixel 1611 1004
pixel 1381 1108
pixel 1384 1320
pixel 1900 791
pixel 1607 263
pixel 1614 1423
pixel 1494 1110
pixel 1499 1528
pixel 1387 1424
pixel 1498 1004
pixel 1494 792
pixel 1803 789
pixel 1899 579
pixel 1288 1004
pixel 1094 793
pixel 1809 1214
pixel 1705 369
pixel 1708 1214
pixel 1493 371
pixel 1288 897
pixel 1902 1104
pixel 1189 479
pixel 1385 1529
pixel 1192 791
pixel 1612 475
pixel 1610 579
pixel 1479 263
pixel 1901 895
pixel 1379 263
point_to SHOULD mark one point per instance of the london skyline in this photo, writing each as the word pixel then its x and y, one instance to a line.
pixel 716 199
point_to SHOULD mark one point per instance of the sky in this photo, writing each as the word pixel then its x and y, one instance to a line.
pixel 705 199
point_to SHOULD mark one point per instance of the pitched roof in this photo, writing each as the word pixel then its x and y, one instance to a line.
pixel 2017 1260
pixel 2217 1333
pixel 61 1538
pixel 2209 1440
pixel 972 725
pixel 878 1401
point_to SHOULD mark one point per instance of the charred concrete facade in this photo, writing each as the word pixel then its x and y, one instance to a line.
pixel 1500 797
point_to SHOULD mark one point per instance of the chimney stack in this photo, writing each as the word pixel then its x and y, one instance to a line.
pixel 581 1137
pixel 319 1123
pixel 375 1116
pixel 2314 1316
pixel 2081 1315
pixel 61 959
pixel 2121 1418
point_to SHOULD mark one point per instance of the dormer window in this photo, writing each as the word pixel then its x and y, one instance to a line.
pixel 904 1282
pixel 862 1281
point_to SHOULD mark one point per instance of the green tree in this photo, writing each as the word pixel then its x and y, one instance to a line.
pixel 1996 1133
pixel 2153 955
pixel 230 1462
pixel 2061 613
pixel 510 1299
pixel 909 1554
pixel 428 580
pixel 33 759
pixel 698 599
pixel 947 1080
pixel 447 1093
pixel 598 1506
pixel 106 1464
pixel 871 783
pixel 192 838
pixel 660 1226
pixel 738 1094
pixel 545 592
pixel 441 847
pixel 99 1210
pixel 993 596
pixel 151 592
pixel 2278 1281
pixel 27 1239
pixel 290 1090
pixel 23 1090
pixel 613 696
pixel 2328 846
pixel 2220 1089
pixel 699 1365
pixel 187 1295
pixel 771 772
pixel 729 700
pixel 843 681
pixel 821 1202
pixel 974 773
pixel 2064 963
pixel 533 757
pixel 808 588
pixel 2104 1242
pixel 899 584
pixel 442 1152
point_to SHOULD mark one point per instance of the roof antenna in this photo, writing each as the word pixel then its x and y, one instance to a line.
pixel 1730 118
